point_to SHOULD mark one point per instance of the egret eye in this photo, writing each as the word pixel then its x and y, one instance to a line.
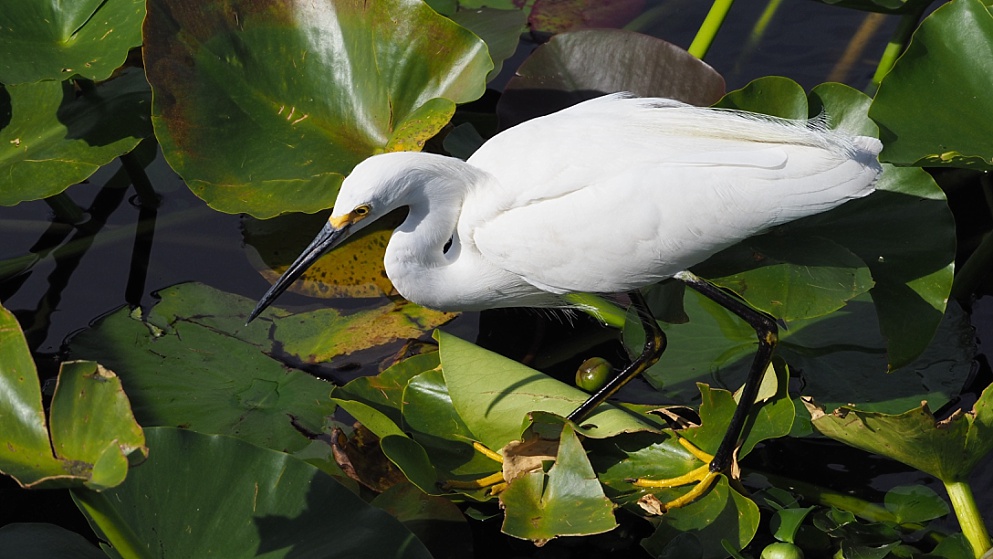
pixel 361 211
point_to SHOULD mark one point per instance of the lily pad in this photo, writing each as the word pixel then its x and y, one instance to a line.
pixel 493 395
pixel 55 139
pixel 93 434
pixel 702 528
pixel 436 521
pixel 559 16
pixel 565 501
pixel 58 40
pixel 773 414
pixel 915 503
pixel 580 65
pixel 429 442
pixel 839 358
pixel 947 449
pixel 923 121
pixel 263 107
pixel 501 29
pixel 192 363
pixel 354 269
pixel 210 495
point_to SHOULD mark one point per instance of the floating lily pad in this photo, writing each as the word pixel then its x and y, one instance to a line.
pixel 93 433
pixel 581 65
pixel 559 16
pixel 924 121
pixel 263 107
pixel 200 495
pixel 55 139
pixel 493 395
pixel 702 528
pixel 193 363
pixel 501 29
pixel 567 500
pixel 58 40
pixel 947 449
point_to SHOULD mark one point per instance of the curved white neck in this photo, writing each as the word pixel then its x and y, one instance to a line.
pixel 416 260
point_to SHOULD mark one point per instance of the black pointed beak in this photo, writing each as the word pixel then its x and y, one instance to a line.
pixel 329 237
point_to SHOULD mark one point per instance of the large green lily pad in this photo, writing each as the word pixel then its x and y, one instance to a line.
pixel 494 395
pixel 54 139
pixel 215 496
pixel 263 107
pixel 58 40
pixel 928 121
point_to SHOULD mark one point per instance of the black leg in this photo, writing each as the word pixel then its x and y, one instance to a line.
pixel 768 335
pixel 654 346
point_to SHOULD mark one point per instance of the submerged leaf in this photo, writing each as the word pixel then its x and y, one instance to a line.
pixel 353 269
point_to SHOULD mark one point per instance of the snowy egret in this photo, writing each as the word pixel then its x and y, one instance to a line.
pixel 610 195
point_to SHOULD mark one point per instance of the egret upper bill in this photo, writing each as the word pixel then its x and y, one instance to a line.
pixel 610 195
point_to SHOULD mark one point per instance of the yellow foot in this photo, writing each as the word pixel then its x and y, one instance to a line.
pixel 493 483
pixel 702 476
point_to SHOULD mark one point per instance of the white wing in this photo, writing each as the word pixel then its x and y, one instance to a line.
pixel 618 193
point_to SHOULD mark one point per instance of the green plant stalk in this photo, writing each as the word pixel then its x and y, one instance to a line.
pixel 898 43
pixel 648 18
pixel 106 522
pixel 65 209
pixel 139 179
pixel 763 22
pixel 709 28
pixel 599 308
pixel 825 497
pixel 968 515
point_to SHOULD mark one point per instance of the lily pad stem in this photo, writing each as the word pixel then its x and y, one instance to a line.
pixel 139 179
pixel 898 43
pixel 599 308
pixel 970 520
pixel 65 209
pixel 709 28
